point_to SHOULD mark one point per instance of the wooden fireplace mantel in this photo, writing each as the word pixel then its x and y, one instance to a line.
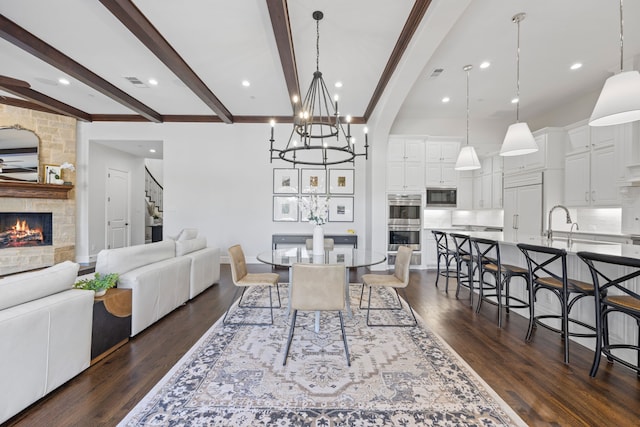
pixel 34 190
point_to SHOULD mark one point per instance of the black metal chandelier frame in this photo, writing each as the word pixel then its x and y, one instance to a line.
pixel 316 122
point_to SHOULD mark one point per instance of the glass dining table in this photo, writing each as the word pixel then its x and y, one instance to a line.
pixel 350 257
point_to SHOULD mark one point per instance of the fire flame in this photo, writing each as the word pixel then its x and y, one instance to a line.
pixel 22 226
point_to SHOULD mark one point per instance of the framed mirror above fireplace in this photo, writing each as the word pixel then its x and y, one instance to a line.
pixel 19 154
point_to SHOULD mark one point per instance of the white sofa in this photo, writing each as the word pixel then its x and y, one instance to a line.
pixel 45 334
pixel 205 263
pixel 162 275
pixel 159 281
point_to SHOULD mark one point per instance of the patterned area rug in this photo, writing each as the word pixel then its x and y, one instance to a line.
pixel 398 376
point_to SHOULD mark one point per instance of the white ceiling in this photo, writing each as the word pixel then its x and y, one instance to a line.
pixel 225 42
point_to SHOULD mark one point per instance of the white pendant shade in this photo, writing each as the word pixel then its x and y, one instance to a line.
pixel 518 141
pixel 467 159
pixel 619 101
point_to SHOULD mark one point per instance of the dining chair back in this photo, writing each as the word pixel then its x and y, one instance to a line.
pixel 615 279
pixel 242 279
pixel 398 280
pixel 318 287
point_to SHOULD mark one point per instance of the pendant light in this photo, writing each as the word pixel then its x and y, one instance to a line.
pixel 518 140
pixel 619 101
pixel 467 158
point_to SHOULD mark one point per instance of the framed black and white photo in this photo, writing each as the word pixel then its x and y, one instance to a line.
pixel 341 181
pixel 285 208
pixel 341 209
pixel 285 181
pixel 313 181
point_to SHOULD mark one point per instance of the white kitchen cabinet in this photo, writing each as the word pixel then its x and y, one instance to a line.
pixel 487 184
pixel 524 205
pixel 631 210
pixel 405 164
pixel 441 175
pixel 523 211
pixel 550 154
pixel 590 173
pixel 440 163
pixel 496 190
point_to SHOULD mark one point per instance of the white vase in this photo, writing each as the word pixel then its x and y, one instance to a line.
pixel 318 240
pixel 100 293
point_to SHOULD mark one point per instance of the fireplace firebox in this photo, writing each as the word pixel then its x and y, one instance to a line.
pixel 25 229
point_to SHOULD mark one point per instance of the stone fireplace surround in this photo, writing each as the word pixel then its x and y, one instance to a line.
pixel 57 145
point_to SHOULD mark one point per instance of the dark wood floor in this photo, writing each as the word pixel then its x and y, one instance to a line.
pixel 528 376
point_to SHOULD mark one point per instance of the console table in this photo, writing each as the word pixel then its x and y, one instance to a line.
pixel 111 322
pixel 300 239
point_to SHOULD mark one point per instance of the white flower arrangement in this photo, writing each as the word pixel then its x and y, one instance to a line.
pixel 67 165
pixel 316 208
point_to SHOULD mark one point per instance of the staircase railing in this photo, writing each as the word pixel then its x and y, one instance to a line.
pixel 153 189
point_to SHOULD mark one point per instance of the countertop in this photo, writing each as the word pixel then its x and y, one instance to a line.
pixel 577 245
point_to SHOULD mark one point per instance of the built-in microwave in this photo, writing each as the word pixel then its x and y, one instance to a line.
pixel 442 198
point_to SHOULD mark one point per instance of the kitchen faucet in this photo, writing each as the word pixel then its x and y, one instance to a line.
pixel 570 239
pixel 549 229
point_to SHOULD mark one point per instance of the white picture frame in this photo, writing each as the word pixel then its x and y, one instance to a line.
pixel 285 208
pixel 50 172
pixel 341 209
pixel 341 181
pixel 313 181
pixel 286 181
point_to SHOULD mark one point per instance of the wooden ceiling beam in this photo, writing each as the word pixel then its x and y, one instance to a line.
pixel 282 31
pixel 15 102
pixel 52 105
pixel 20 37
pixel 139 25
pixel 413 21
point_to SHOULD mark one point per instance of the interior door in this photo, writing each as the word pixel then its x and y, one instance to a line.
pixel 117 209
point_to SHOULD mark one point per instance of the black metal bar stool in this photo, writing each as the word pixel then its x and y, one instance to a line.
pixel 444 254
pixel 544 263
pixel 497 293
pixel 613 278
pixel 465 265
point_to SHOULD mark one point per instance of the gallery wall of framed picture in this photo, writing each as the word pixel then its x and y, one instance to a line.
pixel 290 186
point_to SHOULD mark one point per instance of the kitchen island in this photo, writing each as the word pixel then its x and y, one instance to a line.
pixel 622 329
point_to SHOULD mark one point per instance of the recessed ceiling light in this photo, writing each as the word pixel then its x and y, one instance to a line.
pixel 515 100
pixel 64 81
pixel 446 99
pixel 576 66
pixel 152 150
pixel 485 64
pixel 246 83
pixel 338 84
pixel 153 82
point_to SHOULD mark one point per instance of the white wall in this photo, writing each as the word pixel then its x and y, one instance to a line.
pixel 101 158
pixel 218 179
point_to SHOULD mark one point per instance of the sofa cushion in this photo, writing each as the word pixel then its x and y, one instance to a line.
pixel 187 234
pixel 25 287
pixel 121 260
pixel 184 247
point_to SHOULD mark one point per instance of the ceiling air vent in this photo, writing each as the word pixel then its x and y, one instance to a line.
pixel 436 72
pixel 136 82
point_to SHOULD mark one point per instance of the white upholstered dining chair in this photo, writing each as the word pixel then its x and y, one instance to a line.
pixel 317 287
pixel 242 279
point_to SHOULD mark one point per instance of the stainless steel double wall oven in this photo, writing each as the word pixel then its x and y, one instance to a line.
pixel 404 224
